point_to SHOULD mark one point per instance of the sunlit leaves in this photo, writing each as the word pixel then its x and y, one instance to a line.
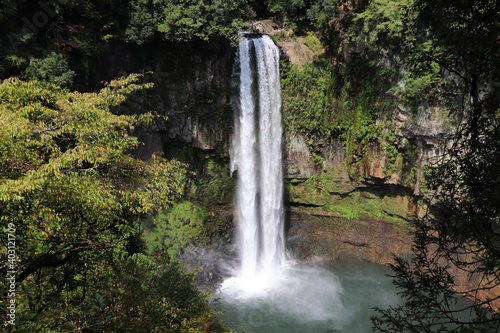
pixel 74 192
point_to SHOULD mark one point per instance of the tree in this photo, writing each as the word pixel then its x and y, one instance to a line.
pixel 72 196
pixel 53 68
pixel 58 37
pixel 457 244
pixel 289 12
pixel 186 20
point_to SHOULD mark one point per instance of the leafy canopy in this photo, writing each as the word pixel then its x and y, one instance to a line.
pixel 74 194
pixel 456 246
pixel 186 20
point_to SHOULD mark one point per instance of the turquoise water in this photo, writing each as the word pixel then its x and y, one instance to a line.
pixel 334 297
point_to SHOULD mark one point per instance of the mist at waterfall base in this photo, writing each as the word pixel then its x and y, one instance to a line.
pixel 321 298
pixel 268 292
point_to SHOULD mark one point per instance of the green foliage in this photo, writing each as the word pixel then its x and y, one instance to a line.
pixel 387 31
pixel 322 12
pixel 409 165
pixel 124 293
pixel 147 298
pixel 186 20
pixel 390 148
pixel 328 194
pixel 142 22
pixel 9 7
pixel 74 194
pixel 312 41
pixel 172 229
pixel 214 186
pixel 430 172
pixel 421 76
pixel 307 93
pixel 315 104
pixel 386 22
pixel 53 68
pixel 465 32
pixel 361 133
pixel 458 239
pixel 289 12
pixel 77 31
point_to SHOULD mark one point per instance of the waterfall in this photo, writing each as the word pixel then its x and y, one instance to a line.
pixel 257 156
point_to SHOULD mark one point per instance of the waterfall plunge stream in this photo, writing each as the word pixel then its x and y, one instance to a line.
pixel 268 293
pixel 257 157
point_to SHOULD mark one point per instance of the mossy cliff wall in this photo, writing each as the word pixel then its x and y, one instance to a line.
pixel 351 151
pixel 345 159
pixel 355 151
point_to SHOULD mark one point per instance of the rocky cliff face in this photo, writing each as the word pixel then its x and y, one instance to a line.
pixel 193 88
pixel 382 180
pixel 417 140
pixel 385 180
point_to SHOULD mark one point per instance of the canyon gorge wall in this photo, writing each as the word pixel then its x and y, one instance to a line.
pixel 332 176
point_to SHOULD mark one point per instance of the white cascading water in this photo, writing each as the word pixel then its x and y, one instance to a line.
pixel 257 157
pixel 267 293
pixel 266 288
